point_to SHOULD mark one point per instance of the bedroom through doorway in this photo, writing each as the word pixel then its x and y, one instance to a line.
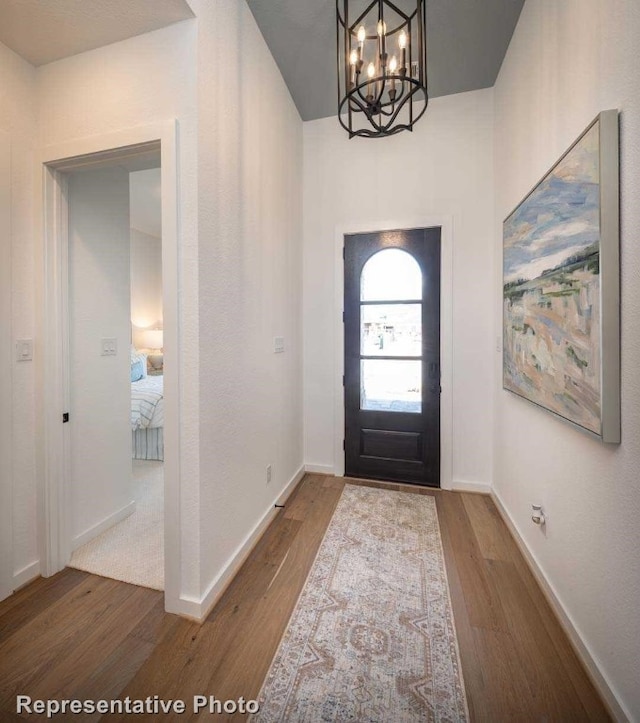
pixel 116 364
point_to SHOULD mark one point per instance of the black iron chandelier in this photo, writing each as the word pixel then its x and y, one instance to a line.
pixel 382 65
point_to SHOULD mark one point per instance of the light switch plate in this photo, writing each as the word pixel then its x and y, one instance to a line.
pixel 109 347
pixel 24 349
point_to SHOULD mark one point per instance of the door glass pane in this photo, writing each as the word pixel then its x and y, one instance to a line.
pixel 391 275
pixel 391 330
pixel 391 386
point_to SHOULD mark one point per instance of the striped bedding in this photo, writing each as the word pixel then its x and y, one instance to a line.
pixel 148 443
pixel 147 408
pixel 147 418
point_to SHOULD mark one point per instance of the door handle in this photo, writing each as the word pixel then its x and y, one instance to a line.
pixel 435 389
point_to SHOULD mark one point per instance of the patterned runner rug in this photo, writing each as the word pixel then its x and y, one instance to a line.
pixel 372 636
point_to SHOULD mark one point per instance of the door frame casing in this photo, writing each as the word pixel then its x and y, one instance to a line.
pixel 6 371
pixel 53 163
pixel 445 223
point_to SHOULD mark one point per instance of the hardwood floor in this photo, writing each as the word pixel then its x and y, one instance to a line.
pixel 81 636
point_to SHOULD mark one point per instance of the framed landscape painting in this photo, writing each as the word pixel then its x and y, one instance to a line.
pixel 561 287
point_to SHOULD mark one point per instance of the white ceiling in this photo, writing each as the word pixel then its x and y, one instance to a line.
pixel 42 31
pixel 145 202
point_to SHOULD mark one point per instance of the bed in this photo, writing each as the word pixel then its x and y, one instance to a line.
pixel 147 416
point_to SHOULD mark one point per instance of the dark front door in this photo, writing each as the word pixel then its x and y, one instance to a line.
pixel 392 355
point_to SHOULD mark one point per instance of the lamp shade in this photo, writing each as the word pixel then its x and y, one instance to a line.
pixel 152 338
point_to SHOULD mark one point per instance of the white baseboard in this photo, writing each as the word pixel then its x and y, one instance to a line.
pixel 105 524
pixel 581 649
pixel 460 485
pixel 319 468
pixel 26 575
pixel 199 609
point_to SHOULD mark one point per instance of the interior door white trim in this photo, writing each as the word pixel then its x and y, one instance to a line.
pixel 52 383
pixel 445 223
pixel 6 366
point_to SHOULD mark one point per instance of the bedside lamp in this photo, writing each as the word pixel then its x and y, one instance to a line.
pixel 153 339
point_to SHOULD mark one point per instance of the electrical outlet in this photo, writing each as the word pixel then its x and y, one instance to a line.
pixel 268 473
pixel 537 515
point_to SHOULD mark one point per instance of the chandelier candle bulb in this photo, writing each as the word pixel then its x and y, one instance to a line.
pixel 371 71
pixel 382 30
pixel 393 66
pixel 402 42
pixel 353 60
pixel 362 34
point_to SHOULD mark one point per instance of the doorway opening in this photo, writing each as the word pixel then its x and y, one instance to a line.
pixel 392 355
pixel 78 345
pixel 115 295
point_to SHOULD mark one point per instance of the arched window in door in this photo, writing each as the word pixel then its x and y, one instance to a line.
pixel 391 332
pixel 391 274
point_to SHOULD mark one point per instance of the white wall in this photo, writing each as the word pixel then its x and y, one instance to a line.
pixel 249 223
pixel 239 267
pixel 240 150
pixel 18 120
pixel 443 168
pixel 147 79
pixel 567 61
pixel 101 488
pixel 146 283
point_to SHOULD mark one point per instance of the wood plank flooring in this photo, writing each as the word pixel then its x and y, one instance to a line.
pixel 81 636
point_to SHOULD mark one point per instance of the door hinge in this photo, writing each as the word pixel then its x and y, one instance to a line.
pixel 343 380
pixel 343 252
pixel 343 445
pixel 343 317
pixel 65 417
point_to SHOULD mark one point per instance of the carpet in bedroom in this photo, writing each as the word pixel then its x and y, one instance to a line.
pixel 132 550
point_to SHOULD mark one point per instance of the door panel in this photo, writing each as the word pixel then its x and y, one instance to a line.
pixel 392 356
pixel 406 446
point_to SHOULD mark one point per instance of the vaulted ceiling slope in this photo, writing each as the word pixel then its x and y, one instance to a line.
pixel 42 31
pixel 466 43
